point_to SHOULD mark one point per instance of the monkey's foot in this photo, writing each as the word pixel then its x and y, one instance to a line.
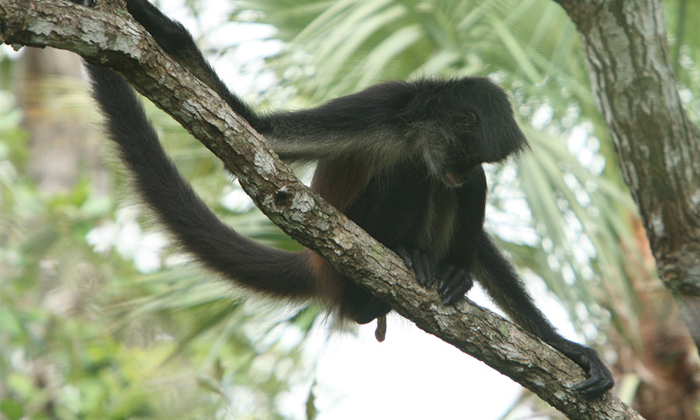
pixel 598 377
pixel 422 264
pixel 455 282
pixel 452 281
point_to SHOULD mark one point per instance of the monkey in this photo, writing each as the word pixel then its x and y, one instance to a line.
pixel 403 160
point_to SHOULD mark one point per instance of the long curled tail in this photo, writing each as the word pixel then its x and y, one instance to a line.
pixel 177 206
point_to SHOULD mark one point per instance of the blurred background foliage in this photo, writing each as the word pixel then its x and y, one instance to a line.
pixel 100 318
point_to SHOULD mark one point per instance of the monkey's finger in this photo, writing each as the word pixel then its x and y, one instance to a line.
pixel 455 287
pixel 450 278
pixel 430 269
pixel 405 255
pixel 597 382
pixel 444 277
pixel 593 386
pixel 419 267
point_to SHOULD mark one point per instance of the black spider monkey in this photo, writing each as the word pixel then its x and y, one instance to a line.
pixel 403 160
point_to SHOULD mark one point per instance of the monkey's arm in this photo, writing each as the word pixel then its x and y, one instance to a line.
pixel 498 277
pixel 370 124
pixel 366 123
pixel 177 41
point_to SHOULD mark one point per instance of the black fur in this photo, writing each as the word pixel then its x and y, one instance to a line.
pixel 401 159
pixel 178 207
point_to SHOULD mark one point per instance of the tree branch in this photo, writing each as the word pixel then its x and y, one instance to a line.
pixel 658 147
pixel 110 38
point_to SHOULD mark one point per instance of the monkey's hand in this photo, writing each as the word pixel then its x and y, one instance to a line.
pixel 452 281
pixel 421 262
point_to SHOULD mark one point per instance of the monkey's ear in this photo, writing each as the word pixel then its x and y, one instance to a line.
pixel 416 110
pixel 462 121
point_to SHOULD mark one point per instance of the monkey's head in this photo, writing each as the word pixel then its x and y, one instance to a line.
pixel 463 123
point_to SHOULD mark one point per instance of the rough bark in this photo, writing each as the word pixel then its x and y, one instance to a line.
pixel 112 39
pixel 658 148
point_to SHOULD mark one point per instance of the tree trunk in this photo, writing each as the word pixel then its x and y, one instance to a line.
pixel 59 148
pixel 658 148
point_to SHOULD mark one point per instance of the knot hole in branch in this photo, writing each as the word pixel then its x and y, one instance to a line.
pixel 283 198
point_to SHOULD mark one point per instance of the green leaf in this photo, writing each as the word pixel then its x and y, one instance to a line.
pixel 11 409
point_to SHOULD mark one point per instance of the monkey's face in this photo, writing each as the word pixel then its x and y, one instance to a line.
pixel 459 150
pixel 458 169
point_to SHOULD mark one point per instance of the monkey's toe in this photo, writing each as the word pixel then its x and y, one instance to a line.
pixel 422 263
pixel 454 283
